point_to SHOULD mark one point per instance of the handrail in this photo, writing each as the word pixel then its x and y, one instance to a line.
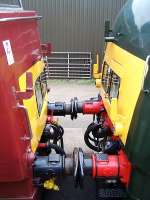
pixel 19 106
pixel 21 5
pixel 19 18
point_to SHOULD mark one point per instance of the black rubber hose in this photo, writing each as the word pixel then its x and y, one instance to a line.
pixel 93 129
pixel 89 129
pixel 58 149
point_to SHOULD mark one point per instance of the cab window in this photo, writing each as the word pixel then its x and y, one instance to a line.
pixel 40 91
pixel 110 82
pixel 10 3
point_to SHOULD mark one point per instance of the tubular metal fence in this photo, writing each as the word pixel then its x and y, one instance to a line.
pixel 68 65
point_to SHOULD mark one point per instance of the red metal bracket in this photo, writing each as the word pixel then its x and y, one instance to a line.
pixel 28 93
pixel 46 49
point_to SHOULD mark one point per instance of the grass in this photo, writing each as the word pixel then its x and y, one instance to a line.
pixel 72 81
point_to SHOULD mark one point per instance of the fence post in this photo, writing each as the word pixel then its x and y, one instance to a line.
pixel 90 65
pixel 68 64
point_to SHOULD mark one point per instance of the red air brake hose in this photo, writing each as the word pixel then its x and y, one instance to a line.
pixel 93 107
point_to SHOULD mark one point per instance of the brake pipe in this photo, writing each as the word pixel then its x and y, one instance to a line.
pixel 91 106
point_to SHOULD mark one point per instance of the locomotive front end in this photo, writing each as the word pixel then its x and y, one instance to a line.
pixel 22 118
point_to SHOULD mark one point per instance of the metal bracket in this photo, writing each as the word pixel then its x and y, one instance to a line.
pixel 25 137
pixel 46 49
pixel 28 93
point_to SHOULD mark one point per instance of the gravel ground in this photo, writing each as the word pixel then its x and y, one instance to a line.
pixel 64 90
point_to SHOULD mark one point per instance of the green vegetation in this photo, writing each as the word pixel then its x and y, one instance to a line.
pixel 72 81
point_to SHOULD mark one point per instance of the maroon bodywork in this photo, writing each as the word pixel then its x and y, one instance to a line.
pixel 15 151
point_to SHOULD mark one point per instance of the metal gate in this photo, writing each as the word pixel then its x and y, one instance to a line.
pixel 68 65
